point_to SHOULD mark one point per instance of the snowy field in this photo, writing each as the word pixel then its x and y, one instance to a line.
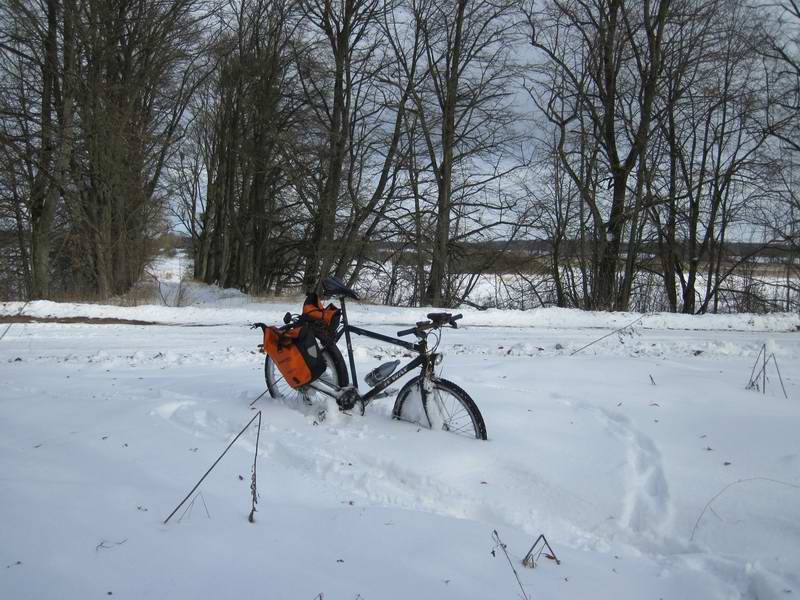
pixel 643 459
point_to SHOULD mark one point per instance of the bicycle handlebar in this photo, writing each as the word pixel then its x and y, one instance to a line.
pixel 437 321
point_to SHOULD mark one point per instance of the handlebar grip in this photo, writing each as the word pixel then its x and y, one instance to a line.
pixel 406 332
pixel 457 317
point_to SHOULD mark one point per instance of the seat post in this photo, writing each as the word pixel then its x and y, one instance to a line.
pixel 349 344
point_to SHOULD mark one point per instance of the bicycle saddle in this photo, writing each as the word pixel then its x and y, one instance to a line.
pixel 333 287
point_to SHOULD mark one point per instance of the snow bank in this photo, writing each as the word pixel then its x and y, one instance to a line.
pixel 237 308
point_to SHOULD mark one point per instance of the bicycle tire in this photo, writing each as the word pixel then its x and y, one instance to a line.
pixel 461 415
pixel 336 372
pixel 332 351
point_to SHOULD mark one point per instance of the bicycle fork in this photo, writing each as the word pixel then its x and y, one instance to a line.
pixel 426 391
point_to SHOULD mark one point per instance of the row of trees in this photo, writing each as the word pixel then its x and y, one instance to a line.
pixel 329 126
pixel 93 101
pixel 293 138
pixel 667 129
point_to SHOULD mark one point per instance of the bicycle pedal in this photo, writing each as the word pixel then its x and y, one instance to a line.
pixel 348 399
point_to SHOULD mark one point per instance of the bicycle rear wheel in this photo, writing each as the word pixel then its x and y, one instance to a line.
pixel 335 373
pixel 449 408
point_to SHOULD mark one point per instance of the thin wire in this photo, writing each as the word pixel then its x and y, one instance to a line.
pixel 610 334
pixel 12 322
pixel 755 364
pixel 775 360
pixel 197 485
pixel 730 485
pixel 502 546
pixel 438 335
pixel 259 398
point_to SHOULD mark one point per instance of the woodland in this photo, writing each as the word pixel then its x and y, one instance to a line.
pixel 603 155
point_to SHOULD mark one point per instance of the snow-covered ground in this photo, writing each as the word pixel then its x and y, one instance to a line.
pixel 648 466
pixel 234 308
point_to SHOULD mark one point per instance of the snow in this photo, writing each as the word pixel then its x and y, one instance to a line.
pixel 170 267
pixel 170 277
pixel 642 458
pixel 511 290
pixel 234 308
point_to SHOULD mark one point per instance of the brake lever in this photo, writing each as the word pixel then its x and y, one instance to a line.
pixel 420 330
pixel 257 325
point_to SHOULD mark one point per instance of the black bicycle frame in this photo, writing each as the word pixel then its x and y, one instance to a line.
pixel 364 400
pixel 422 360
pixel 420 347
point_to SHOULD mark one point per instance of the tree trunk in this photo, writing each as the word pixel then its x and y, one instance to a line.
pixel 42 197
pixel 444 178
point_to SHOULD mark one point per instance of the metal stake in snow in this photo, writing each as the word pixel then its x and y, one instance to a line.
pixel 753 384
pixel 253 488
pixel 536 551
pixel 197 485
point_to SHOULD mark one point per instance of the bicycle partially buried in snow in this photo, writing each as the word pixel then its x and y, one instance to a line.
pixel 303 360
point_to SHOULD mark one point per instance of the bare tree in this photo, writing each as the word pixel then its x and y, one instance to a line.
pixel 245 145
pixel 781 49
pixel 609 57
pixel 713 124
pixel 140 64
pixel 98 97
pixel 359 98
pixel 39 62
pixel 462 122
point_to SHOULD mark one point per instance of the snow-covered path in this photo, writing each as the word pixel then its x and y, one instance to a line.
pixel 612 454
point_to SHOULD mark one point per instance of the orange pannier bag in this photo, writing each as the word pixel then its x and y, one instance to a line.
pixel 296 354
pixel 328 316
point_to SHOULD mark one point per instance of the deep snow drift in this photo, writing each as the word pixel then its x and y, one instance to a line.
pixel 648 466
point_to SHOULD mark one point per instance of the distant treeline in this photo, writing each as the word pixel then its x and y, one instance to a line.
pixel 619 150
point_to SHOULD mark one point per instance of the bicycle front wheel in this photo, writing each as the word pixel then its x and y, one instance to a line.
pixel 335 373
pixel 448 408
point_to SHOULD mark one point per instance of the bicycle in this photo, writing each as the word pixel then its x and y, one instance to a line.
pixel 426 400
